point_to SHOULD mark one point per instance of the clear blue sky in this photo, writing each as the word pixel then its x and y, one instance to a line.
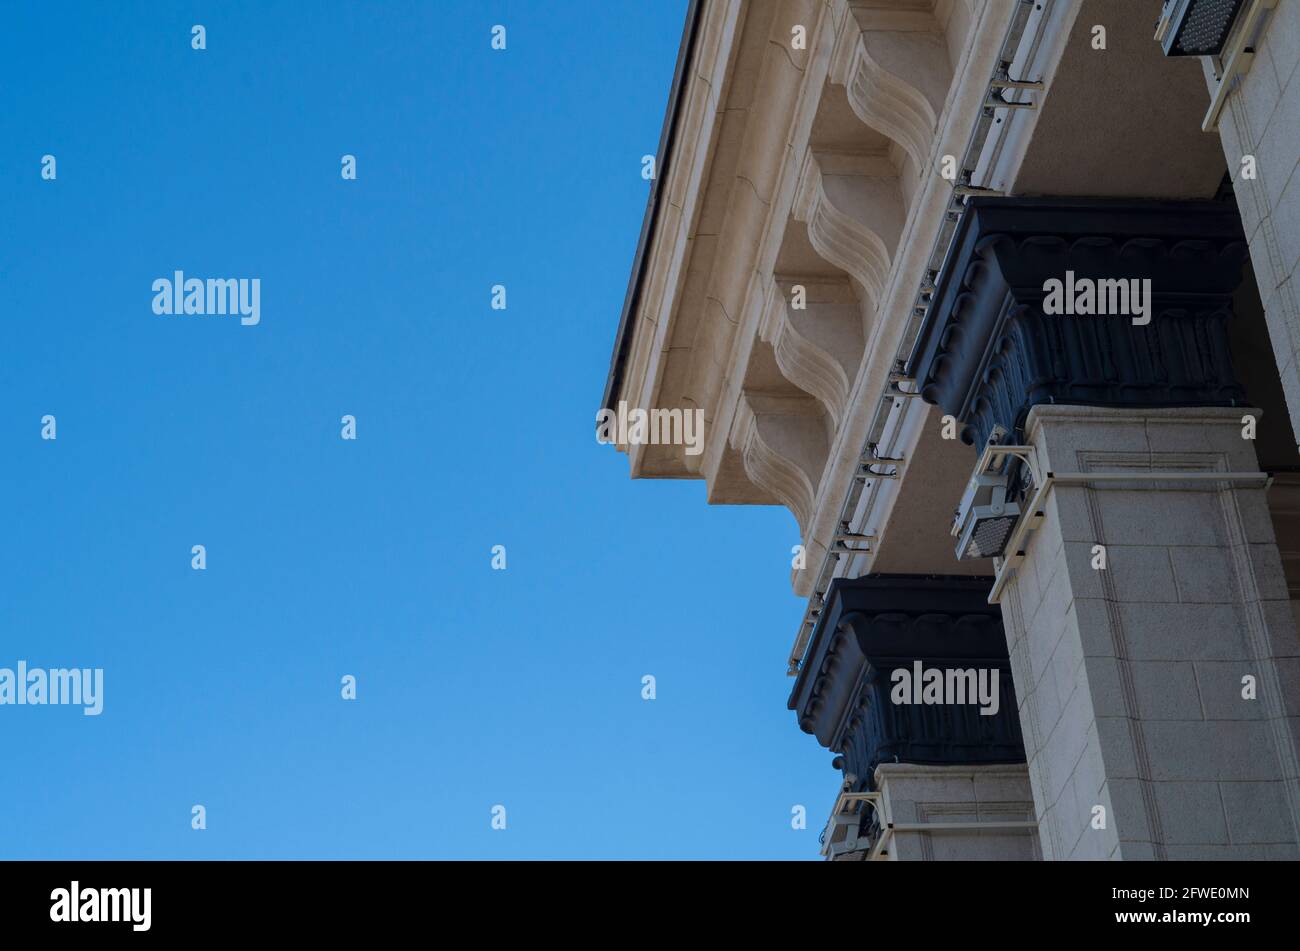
pixel 327 557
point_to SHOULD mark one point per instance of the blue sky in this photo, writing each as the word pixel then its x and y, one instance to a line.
pixel 370 557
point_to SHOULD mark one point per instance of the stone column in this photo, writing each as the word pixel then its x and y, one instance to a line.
pixel 1258 130
pixel 961 813
pixel 910 673
pixel 1148 622
pixel 1159 675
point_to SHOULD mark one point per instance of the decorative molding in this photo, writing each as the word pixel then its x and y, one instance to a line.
pixel 686 177
pixel 1284 509
pixel 987 353
pixel 874 625
pixel 773 108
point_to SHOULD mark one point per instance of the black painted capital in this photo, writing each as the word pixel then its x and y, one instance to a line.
pixel 987 352
pixel 871 627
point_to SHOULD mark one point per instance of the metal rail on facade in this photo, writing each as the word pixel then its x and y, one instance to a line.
pixel 894 396
pixel 847 813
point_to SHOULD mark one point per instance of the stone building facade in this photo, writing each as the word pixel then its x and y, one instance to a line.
pixel 1028 261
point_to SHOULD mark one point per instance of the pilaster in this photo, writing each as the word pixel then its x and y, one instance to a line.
pixel 1153 644
pixel 1148 620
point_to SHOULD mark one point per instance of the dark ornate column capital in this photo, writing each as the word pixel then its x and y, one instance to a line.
pixel 988 352
pixel 873 626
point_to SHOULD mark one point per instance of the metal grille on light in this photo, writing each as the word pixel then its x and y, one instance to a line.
pixel 1197 27
pixel 991 535
pixel 986 517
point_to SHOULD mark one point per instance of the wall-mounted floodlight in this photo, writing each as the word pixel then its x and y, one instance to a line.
pixel 1196 27
pixel 986 518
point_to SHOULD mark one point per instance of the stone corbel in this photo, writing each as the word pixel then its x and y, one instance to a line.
pixel 893 65
pixel 818 347
pixel 783 443
pixel 854 212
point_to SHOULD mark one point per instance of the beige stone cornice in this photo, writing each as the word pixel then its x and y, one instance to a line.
pixel 671 247
pixel 756 206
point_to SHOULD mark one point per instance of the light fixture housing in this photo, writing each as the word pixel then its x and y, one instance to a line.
pixel 1196 27
pixel 986 518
